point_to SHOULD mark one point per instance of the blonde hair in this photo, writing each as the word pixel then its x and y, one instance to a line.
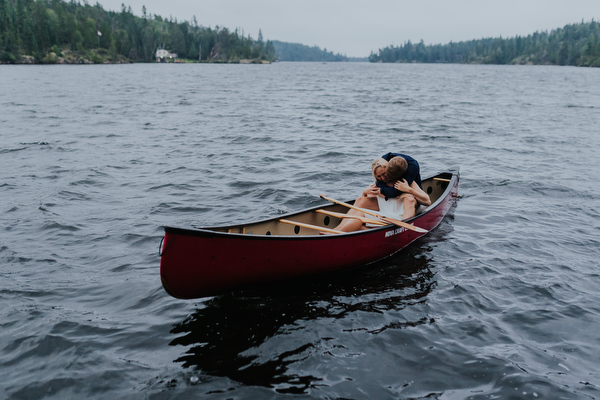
pixel 397 166
pixel 378 163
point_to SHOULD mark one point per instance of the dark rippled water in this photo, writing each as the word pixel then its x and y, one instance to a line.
pixel 501 301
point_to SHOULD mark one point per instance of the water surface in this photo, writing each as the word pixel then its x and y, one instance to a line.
pixel 500 301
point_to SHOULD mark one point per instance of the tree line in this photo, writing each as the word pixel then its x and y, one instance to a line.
pixel 574 44
pixel 48 31
pixel 299 52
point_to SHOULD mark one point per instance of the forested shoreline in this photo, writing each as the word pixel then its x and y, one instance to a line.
pixel 574 44
pixel 58 31
pixel 300 52
pixel 55 31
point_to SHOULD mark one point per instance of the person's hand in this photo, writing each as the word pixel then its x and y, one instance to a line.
pixel 371 191
pixel 402 186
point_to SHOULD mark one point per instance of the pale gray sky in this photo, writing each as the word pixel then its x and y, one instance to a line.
pixel 357 27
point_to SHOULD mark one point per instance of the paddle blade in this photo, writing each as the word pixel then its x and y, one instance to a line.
pixel 402 224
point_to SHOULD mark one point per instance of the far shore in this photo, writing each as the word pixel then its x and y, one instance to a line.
pixel 74 59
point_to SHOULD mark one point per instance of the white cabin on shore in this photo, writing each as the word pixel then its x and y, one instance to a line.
pixel 163 55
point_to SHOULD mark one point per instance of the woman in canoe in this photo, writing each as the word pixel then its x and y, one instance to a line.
pixel 396 192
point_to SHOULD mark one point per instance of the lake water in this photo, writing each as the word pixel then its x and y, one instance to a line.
pixel 502 300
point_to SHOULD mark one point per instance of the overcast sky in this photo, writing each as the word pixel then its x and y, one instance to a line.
pixel 357 27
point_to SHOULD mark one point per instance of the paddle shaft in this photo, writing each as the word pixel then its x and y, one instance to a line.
pixel 392 221
pixel 314 227
pixel 363 219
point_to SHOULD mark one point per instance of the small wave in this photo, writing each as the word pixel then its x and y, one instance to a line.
pixel 71 196
pixel 179 187
pixel 245 184
pixel 137 239
pixel 167 208
pixel 307 176
pixel 40 143
pixel 52 225
pixel 27 146
pixel 85 182
pixel 580 106
pixel 106 123
pixel 401 130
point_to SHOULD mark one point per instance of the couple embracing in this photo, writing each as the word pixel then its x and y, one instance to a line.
pixel 396 193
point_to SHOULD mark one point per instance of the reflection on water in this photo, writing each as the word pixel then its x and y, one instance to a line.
pixel 238 335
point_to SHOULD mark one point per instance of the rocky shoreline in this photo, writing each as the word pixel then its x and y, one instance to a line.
pixel 74 58
pixel 69 57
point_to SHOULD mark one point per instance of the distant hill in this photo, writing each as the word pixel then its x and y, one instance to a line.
pixel 299 52
pixel 575 44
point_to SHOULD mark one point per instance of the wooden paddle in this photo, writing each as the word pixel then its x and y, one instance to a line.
pixel 342 215
pixel 389 220
pixel 308 226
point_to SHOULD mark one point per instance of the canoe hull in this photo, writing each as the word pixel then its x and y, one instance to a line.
pixel 201 262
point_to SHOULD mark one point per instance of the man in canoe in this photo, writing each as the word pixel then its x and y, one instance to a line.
pixel 396 193
pixel 403 168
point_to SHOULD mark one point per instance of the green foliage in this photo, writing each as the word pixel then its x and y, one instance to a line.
pixel 576 44
pixel 55 30
pixel 299 52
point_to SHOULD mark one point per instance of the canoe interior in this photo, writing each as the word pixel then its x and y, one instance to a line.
pixel 435 186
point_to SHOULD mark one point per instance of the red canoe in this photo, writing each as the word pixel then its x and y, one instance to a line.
pixel 207 261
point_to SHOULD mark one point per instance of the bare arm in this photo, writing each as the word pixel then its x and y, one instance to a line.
pixel 371 191
pixel 415 190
